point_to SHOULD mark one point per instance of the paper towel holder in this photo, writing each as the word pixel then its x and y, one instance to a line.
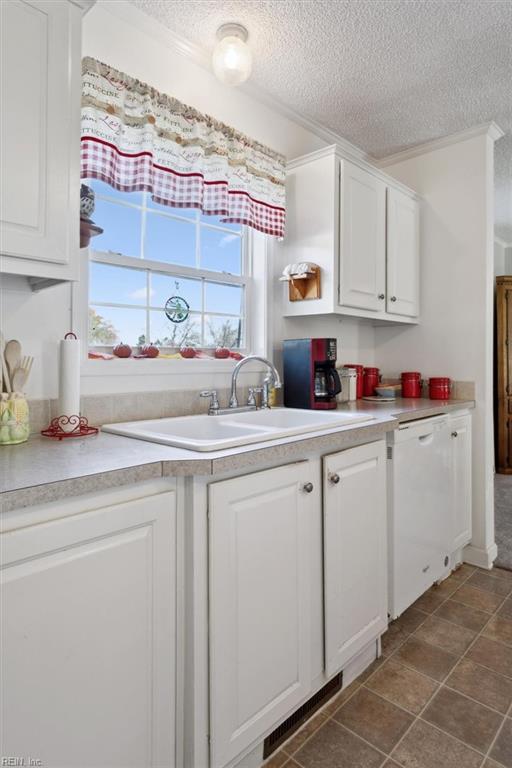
pixel 80 427
pixel 77 426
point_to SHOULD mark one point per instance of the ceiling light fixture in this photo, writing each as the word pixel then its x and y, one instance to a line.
pixel 232 57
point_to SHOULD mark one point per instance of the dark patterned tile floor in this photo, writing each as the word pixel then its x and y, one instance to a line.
pixel 439 697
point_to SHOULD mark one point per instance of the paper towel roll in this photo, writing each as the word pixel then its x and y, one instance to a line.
pixel 69 379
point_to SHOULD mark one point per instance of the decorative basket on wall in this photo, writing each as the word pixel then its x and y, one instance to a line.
pixel 303 281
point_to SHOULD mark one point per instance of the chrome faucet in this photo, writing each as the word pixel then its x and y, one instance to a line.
pixel 273 376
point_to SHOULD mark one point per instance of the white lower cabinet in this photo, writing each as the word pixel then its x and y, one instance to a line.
pixel 88 636
pixel 260 565
pixel 460 425
pixel 355 560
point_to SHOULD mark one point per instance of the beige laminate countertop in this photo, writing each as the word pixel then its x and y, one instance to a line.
pixel 44 470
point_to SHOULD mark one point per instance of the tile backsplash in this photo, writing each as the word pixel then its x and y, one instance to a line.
pixel 130 406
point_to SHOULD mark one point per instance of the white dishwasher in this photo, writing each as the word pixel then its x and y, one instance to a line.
pixel 419 509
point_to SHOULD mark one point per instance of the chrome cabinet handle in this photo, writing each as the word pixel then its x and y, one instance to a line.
pixel 382 296
pixel 308 487
pixel 334 478
pixel 455 434
pixel 393 298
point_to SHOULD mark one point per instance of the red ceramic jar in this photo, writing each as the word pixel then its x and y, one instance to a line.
pixel 439 388
pixel 411 384
pixel 359 377
pixel 371 378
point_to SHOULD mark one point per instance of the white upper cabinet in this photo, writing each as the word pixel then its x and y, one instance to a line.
pixel 360 227
pixel 403 254
pixel 261 528
pixel 40 139
pixel 362 251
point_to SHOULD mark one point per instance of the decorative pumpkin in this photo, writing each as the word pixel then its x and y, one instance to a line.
pixel 149 350
pixel 188 352
pixel 221 353
pixel 236 356
pixel 122 350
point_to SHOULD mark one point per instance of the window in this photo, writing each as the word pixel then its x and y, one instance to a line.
pixel 164 275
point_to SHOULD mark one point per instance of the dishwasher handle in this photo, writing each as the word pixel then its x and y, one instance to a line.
pixel 426 439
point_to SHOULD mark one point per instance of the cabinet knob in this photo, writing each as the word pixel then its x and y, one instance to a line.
pixel 334 478
pixel 393 298
pixel 455 434
pixel 382 296
pixel 308 487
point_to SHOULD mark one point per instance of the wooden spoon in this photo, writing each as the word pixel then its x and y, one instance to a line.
pixel 12 355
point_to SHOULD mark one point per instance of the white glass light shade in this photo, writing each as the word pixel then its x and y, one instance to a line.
pixel 232 58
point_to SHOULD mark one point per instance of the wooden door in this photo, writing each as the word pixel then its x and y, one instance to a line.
pixel 362 239
pixel 40 84
pixel 402 295
pixel 355 551
pixel 260 602
pixel 504 373
pixel 460 427
pixel 88 637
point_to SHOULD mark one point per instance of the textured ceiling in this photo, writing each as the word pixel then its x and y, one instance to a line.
pixel 385 74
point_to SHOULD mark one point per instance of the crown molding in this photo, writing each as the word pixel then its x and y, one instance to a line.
pixel 85 5
pixel 502 242
pixel 129 13
pixel 492 130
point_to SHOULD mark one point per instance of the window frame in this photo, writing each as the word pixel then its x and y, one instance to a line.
pixel 177 271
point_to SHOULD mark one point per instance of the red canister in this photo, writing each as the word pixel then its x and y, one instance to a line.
pixel 371 378
pixel 411 384
pixel 439 388
pixel 359 377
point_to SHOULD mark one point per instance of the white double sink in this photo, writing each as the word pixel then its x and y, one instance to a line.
pixel 214 433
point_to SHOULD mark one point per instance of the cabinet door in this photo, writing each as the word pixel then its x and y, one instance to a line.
pixel 362 239
pixel 402 254
pixel 260 604
pixel 461 468
pixel 40 84
pixel 88 637
pixel 355 571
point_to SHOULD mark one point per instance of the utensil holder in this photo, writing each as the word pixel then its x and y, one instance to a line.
pixel 14 419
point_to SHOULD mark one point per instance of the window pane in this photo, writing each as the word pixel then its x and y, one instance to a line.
pixel 187 213
pixel 221 251
pixel 165 286
pixel 110 325
pixel 117 285
pixel 121 228
pixel 223 332
pixel 167 334
pixel 223 298
pixel 170 240
pixel 106 190
pixel 217 220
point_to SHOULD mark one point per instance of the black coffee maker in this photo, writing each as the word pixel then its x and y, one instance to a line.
pixel 309 372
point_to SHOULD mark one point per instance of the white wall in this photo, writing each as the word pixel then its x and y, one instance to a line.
pixel 455 335
pixel 130 41
pixel 502 258
pixel 499 258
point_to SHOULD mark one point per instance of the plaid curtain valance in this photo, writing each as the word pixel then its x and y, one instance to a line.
pixel 135 138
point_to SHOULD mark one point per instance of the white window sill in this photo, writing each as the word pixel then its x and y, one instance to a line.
pixel 155 367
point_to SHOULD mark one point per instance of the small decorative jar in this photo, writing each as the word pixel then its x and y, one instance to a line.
pixel 359 377
pixel 14 423
pixel 411 384
pixel 348 377
pixel 439 388
pixel 371 379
